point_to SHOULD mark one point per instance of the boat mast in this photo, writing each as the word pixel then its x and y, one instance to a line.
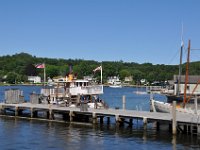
pixel 180 64
pixel 186 75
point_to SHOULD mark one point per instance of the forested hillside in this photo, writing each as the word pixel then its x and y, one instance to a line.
pixel 17 67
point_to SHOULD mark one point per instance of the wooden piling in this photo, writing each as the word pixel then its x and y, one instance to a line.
pixel 196 104
pixel 101 119
pixel 51 114
pixel 108 120
pixel 16 111
pixel 130 122
pixel 117 119
pixel 145 123
pixel 174 118
pixel 31 111
pixel 71 116
pixel 94 118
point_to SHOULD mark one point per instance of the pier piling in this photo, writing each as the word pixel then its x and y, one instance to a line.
pixel 94 118
pixel 71 116
pixel 145 123
pixel 174 118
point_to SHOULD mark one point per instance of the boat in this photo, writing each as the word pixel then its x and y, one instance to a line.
pixel 116 84
pixel 186 102
pixel 158 106
pixel 73 92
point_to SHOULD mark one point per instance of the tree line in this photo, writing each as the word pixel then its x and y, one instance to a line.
pixel 16 68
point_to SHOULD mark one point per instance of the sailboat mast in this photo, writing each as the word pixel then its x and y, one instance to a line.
pixel 180 64
pixel 180 71
pixel 186 75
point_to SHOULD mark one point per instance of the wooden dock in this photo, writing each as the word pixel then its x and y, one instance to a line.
pixel 185 123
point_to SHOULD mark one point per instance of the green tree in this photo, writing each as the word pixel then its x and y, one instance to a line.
pixel 124 73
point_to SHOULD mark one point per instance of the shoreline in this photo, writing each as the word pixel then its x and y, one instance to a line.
pixel 105 85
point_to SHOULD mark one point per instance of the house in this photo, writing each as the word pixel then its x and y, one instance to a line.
pixel 34 79
pixel 128 80
pixel 192 82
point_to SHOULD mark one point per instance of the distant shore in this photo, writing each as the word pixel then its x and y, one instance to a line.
pixel 41 84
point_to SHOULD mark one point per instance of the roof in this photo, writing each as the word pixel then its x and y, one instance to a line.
pixel 193 79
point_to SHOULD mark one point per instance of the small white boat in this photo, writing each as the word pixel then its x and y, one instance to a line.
pixel 115 86
pixel 158 106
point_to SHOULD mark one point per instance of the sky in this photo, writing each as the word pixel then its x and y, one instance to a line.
pixel 141 31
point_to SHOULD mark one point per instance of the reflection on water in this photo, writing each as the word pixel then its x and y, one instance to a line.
pixel 31 134
pixel 25 134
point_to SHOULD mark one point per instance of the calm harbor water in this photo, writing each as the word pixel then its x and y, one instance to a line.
pixel 38 135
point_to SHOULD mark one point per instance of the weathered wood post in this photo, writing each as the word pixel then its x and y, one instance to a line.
pixel 174 118
pixel 145 123
pixel 94 118
pixel 196 104
pixel 108 120
pixel 51 116
pixel 31 112
pixel 101 119
pixel 130 122
pixel 124 102
pixel 16 111
pixel 71 116
pixel 117 119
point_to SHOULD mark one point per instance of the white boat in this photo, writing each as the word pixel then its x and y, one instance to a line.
pixel 115 86
pixel 158 106
pixel 186 104
pixel 72 92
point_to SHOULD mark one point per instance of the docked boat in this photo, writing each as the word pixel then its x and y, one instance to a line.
pixel 73 92
pixel 116 84
pixel 186 102
pixel 158 106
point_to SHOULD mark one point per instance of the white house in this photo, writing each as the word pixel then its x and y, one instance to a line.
pixel 34 79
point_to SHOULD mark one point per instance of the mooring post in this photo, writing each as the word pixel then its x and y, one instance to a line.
pixel 145 123
pixel 174 118
pixel 71 116
pixel 31 112
pixel 130 122
pixel 16 111
pixel 196 104
pixel 94 118
pixel 101 119
pixel 124 102
pixel 50 114
pixel 117 119
pixel 108 120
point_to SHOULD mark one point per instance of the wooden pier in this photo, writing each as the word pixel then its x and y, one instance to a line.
pixel 182 122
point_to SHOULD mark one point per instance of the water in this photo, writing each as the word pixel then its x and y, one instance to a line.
pixel 25 134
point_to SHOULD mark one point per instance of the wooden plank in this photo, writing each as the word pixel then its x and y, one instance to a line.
pixel 181 117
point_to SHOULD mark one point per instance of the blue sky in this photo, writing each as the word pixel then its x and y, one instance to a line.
pixel 103 30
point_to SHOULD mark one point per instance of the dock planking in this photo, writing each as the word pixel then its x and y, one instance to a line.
pixel 121 113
